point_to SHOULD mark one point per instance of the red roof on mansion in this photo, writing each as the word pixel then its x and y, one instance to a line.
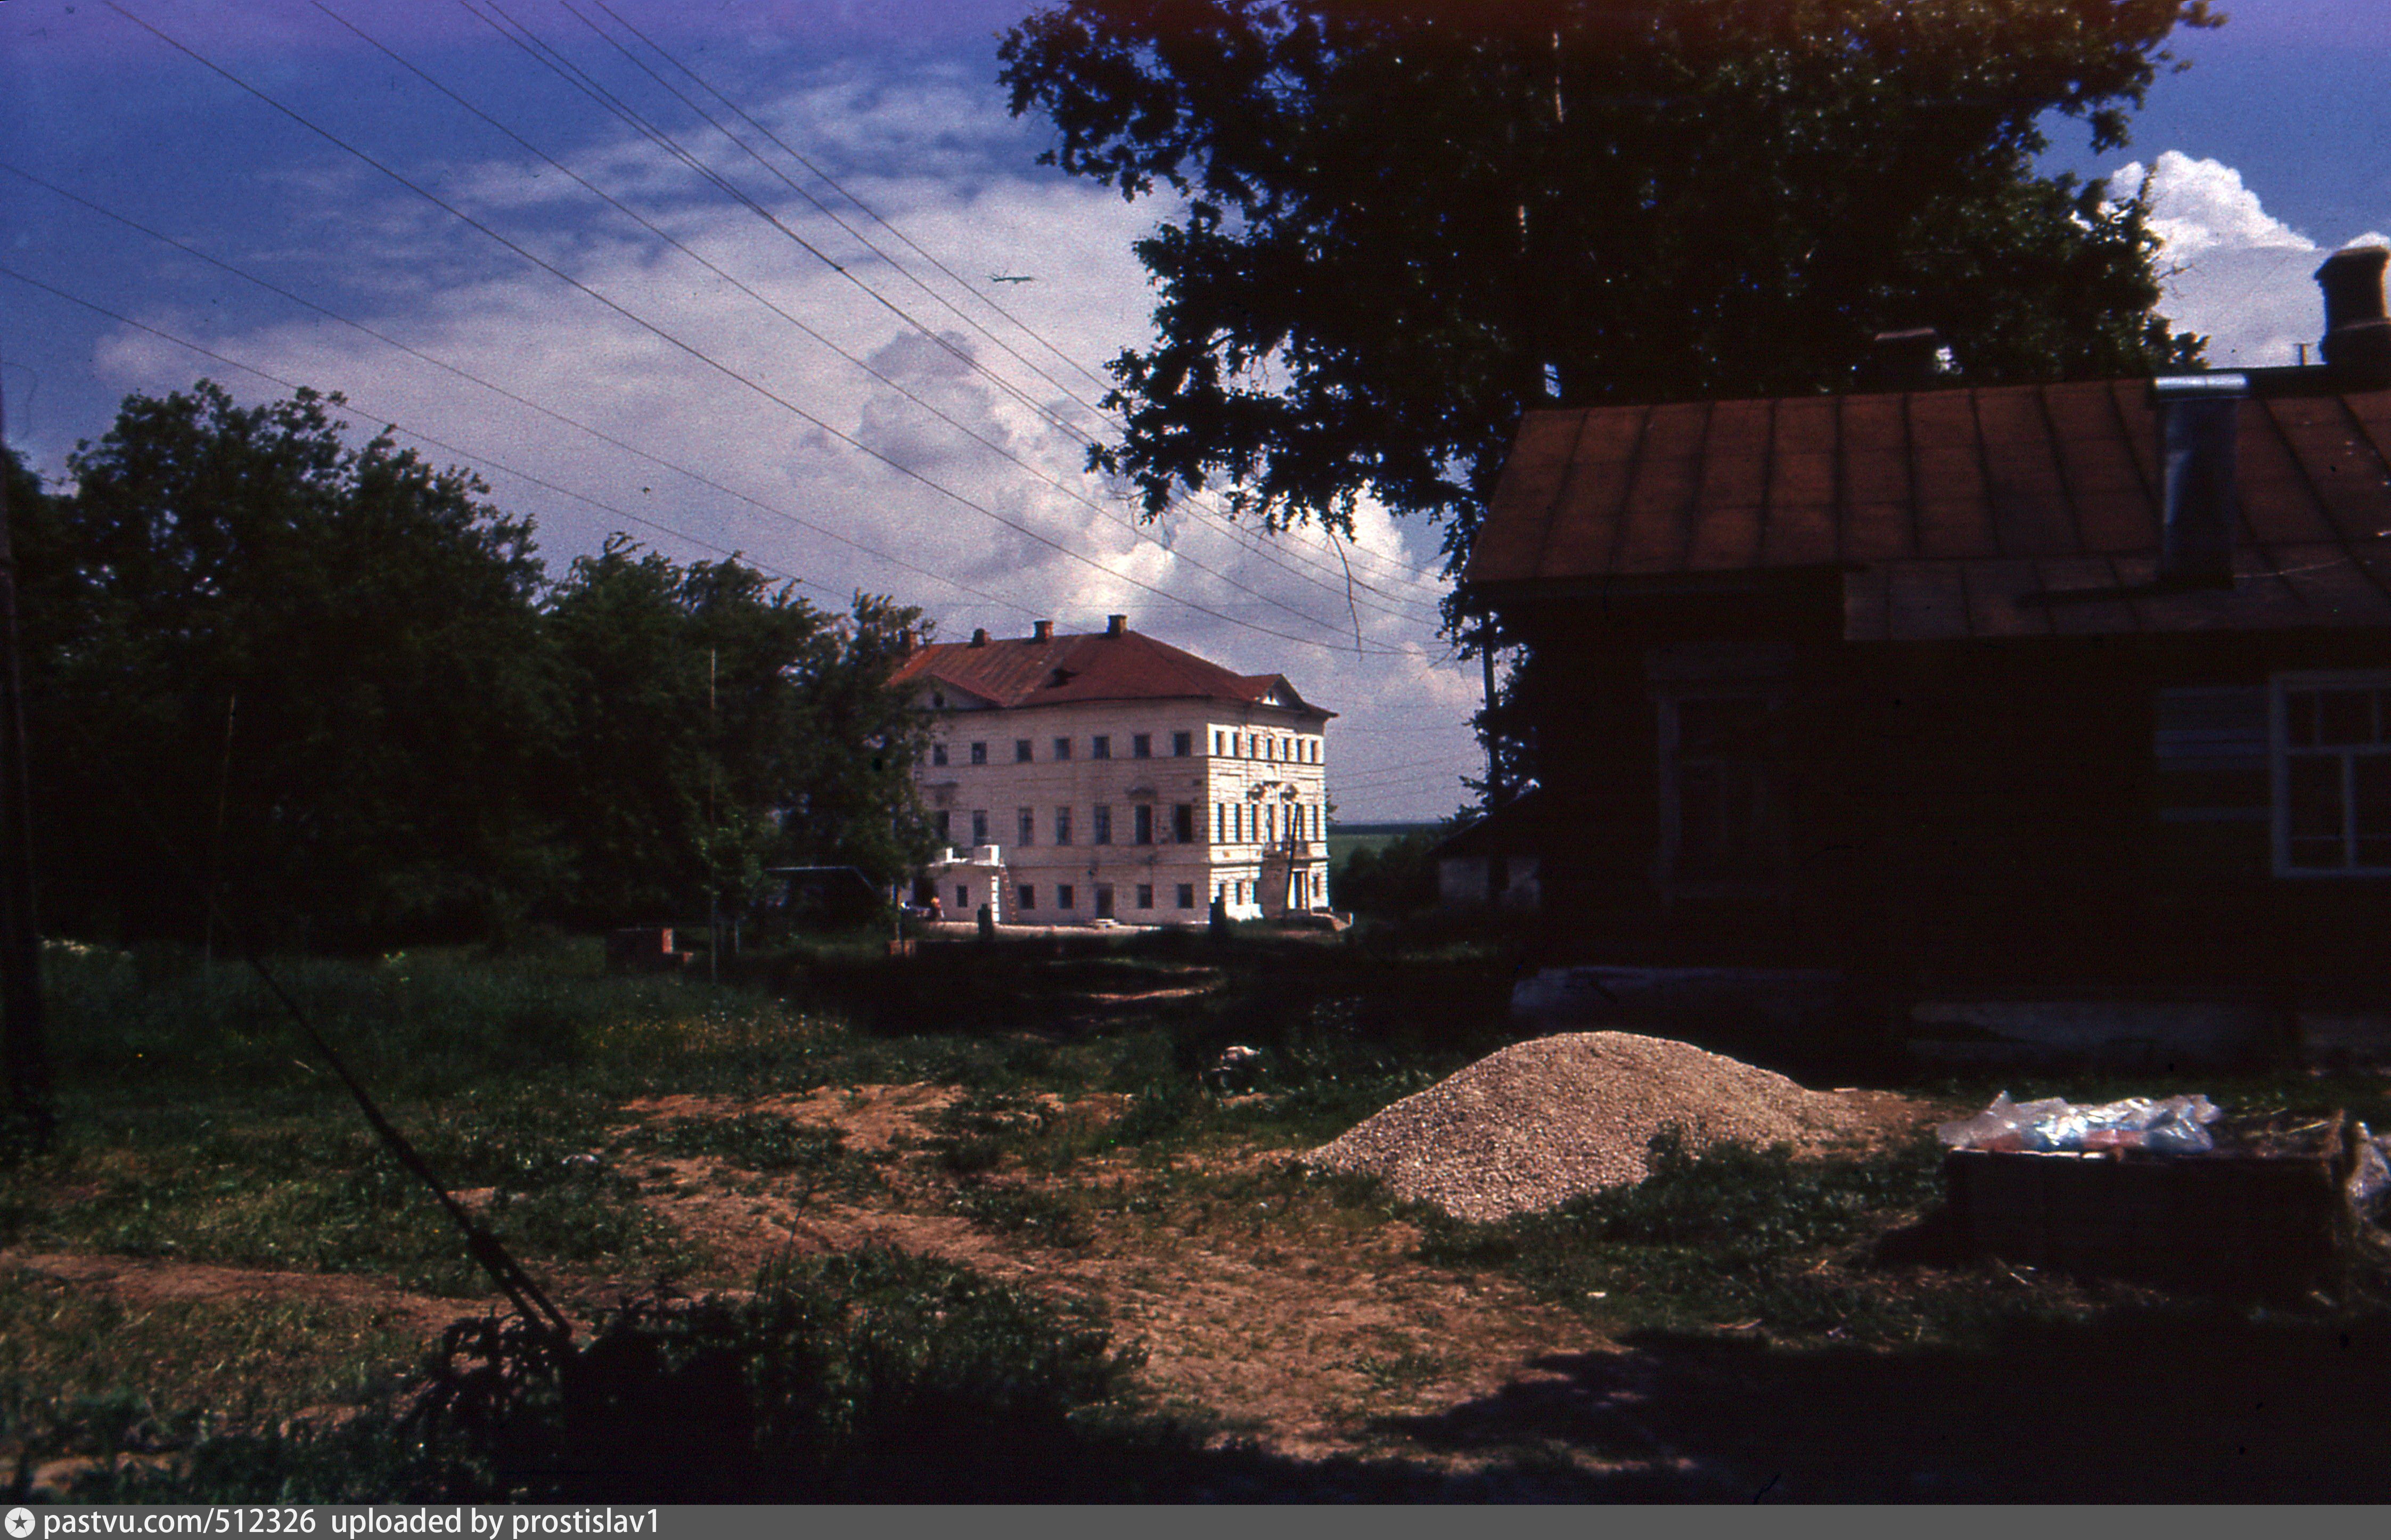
pixel 1115 663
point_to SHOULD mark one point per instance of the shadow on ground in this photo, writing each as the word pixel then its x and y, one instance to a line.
pixel 2184 1405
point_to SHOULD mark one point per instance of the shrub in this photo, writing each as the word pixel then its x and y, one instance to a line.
pixel 872 1376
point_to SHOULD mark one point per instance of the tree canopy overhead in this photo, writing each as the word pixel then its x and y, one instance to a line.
pixel 1405 221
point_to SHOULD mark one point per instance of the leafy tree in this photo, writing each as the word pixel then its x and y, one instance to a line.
pixel 720 725
pixel 1393 879
pixel 1405 221
pixel 312 666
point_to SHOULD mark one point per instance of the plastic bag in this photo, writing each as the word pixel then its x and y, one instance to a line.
pixel 2370 1177
pixel 2175 1126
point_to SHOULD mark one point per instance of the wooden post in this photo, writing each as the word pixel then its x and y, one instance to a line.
pixel 24 1051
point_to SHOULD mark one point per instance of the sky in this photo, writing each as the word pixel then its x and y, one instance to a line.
pixel 725 277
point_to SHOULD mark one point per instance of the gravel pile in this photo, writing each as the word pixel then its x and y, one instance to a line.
pixel 1539 1123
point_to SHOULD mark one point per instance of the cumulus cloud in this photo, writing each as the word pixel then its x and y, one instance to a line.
pixel 2232 272
pixel 943 459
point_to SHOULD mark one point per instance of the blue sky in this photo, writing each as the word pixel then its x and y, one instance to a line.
pixel 2266 155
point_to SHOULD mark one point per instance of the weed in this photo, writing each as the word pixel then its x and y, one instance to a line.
pixel 872 1376
pixel 1402 1371
pixel 754 1141
pixel 1025 1214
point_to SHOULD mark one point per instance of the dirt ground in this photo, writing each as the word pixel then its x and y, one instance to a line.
pixel 1297 1336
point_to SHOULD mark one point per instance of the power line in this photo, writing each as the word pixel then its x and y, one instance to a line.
pixel 472 456
pixel 827 213
pixel 869 213
pixel 462 373
pixel 549 54
pixel 700 354
pixel 554 59
pixel 864 365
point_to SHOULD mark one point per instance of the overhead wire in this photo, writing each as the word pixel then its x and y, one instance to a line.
pixel 549 55
pixel 877 218
pixel 481 459
pixel 869 213
pixel 601 434
pixel 698 354
pixel 561 64
pixel 864 365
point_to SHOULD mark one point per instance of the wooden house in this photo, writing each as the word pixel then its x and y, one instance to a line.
pixel 2067 686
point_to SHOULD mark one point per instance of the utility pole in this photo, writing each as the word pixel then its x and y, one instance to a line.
pixel 714 821
pixel 1494 761
pixel 24 1051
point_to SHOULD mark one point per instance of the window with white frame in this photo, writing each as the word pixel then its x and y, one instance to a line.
pixel 2333 775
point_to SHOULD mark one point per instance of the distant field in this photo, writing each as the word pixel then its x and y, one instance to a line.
pixel 1346 838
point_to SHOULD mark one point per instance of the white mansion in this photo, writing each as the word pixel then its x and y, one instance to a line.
pixel 1112 776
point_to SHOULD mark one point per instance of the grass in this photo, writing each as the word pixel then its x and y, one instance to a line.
pixel 84 1374
pixel 195 1130
pixel 872 1376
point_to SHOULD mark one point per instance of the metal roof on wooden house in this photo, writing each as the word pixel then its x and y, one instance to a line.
pixel 1998 511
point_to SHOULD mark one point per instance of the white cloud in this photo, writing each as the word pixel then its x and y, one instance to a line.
pixel 2233 273
pixel 1053 542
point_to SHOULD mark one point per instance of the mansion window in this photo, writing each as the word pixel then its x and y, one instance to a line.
pixel 1182 744
pixel 1027 824
pixel 1100 747
pixel 1142 826
pixel 2333 775
pixel 1141 746
pixel 1062 748
pixel 979 826
pixel 1182 823
pixel 1021 751
pixel 1101 826
pixel 1061 825
pixel 979 754
pixel 937 754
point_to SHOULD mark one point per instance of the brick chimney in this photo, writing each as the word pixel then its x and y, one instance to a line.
pixel 1115 625
pixel 2357 333
pixel 979 637
pixel 1041 630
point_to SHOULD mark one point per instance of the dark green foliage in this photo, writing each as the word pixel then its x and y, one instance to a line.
pixel 338 646
pixel 1406 222
pixel 1391 880
pixel 1402 219
pixel 719 724
pixel 338 685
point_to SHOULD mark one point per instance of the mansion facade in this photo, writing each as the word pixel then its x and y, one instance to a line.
pixel 1110 776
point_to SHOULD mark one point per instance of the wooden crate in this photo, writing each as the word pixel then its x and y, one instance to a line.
pixel 2221 1222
